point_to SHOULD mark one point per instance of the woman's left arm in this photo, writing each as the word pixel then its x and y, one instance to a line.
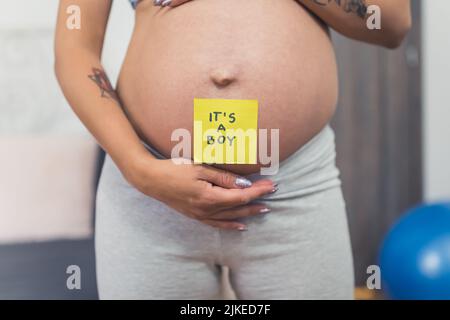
pixel 349 17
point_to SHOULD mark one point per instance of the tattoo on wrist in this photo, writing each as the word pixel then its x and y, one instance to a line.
pixel 359 7
pixel 101 80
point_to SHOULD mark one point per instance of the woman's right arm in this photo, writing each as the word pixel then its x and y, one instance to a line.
pixel 210 195
pixel 85 85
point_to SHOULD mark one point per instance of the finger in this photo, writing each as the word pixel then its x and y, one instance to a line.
pixel 229 198
pixel 227 225
pixel 224 178
pixel 169 3
pixel 241 212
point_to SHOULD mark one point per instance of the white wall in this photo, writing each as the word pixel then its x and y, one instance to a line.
pixel 436 84
pixel 47 159
pixel 119 31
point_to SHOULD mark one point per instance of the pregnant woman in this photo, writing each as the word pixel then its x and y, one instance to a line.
pixel 165 228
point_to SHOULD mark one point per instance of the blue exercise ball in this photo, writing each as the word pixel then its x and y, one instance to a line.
pixel 415 256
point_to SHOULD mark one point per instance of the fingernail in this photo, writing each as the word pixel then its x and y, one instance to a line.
pixel 264 210
pixel 166 3
pixel 243 228
pixel 274 190
pixel 157 2
pixel 243 183
pixel 275 184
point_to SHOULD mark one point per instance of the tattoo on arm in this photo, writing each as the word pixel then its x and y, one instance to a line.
pixel 358 7
pixel 101 80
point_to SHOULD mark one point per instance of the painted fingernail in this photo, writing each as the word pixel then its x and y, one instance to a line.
pixel 264 210
pixel 274 190
pixel 242 228
pixel 157 2
pixel 275 184
pixel 166 3
pixel 243 183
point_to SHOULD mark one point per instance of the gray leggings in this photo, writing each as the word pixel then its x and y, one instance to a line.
pixel 300 250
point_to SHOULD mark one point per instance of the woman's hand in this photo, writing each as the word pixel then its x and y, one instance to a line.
pixel 169 3
pixel 212 196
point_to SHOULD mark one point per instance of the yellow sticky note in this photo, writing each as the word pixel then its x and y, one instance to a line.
pixel 225 131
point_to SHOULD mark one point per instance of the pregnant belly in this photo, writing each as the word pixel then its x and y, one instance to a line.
pixel 272 51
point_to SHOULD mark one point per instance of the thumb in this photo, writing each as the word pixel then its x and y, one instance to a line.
pixel 225 179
